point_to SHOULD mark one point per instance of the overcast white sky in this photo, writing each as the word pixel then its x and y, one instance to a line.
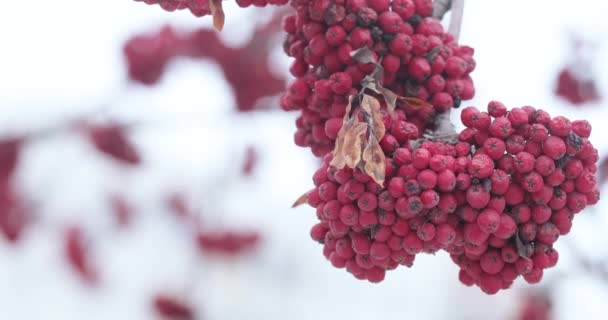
pixel 60 59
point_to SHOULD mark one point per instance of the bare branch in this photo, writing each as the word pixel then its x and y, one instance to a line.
pixel 440 7
pixel 456 19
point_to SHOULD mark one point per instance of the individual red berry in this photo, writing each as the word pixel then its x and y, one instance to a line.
pixel 482 122
pixel 517 117
pixel 427 179
pixel 515 144
pixel 412 244
pixel 534 276
pixel 514 195
pixel 586 182
pixel 490 284
pixel 547 233
pixel 335 35
pixel 556 178
pixel 491 262
pixel 506 228
pixel 469 116
pixel 341 82
pixel 327 191
pixel 489 220
pixel 474 235
pixel 501 128
pixel 500 182
pixel 523 162
pixel 367 201
pixel 494 147
pixel 446 181
pixel 331 209
pixel 524 266
pixel 481 166
pixel 430 198
pixel 375 274
pixel 538 132
pixel 554 147
pixel 560 126
pixel 477 197
pixel 349 215
pixel 379 250
pixel 581 128
pixel 426 232
pixel 465 278
pixel 419 68
pixel 496 109
pixel 532 182
pixel 576 202
pixel 455 67
pixel 445 234
pixel 497 203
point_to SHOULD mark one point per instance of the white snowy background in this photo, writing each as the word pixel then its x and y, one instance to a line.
pixel 62 59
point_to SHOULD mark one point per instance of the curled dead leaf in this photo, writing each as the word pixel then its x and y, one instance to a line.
pixel 353 144
pixel 374 159
pixel 391 100
pixel 337 155
pixel 301 200
pixel 363 55
pixel 522 249
pixel 372 106
pixel 415 103
pixel 218 14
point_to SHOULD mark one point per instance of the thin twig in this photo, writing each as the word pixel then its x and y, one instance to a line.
pixel 457 8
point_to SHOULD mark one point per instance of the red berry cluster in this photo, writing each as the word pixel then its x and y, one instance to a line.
pixel 533 174
pixel 198 8
pixel 229 243
pixel 13 212
pixel 112 141
pixel 76 254
pixel 496 201
pixel 172 308
pixel 245 68
pixel 417 57
pixel 201 8
pixel 536 307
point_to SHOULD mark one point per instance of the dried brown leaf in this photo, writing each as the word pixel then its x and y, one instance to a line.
pixel 415 103
pixel 338 160
pixel 374 159
pixel 522 249
pixel 353 144
pixel 370 83
pixel 373 109
pixel 363 55
pixel 218 14
pixel 391 100
pixel 301 200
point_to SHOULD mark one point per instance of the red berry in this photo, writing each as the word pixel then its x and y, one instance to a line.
pixel 554 147
pixel 489 220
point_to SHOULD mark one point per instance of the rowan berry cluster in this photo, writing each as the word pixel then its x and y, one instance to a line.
pixel 227 243
pixel 198 8
pixel 201 8
pixel 496 200
pixel 417 57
